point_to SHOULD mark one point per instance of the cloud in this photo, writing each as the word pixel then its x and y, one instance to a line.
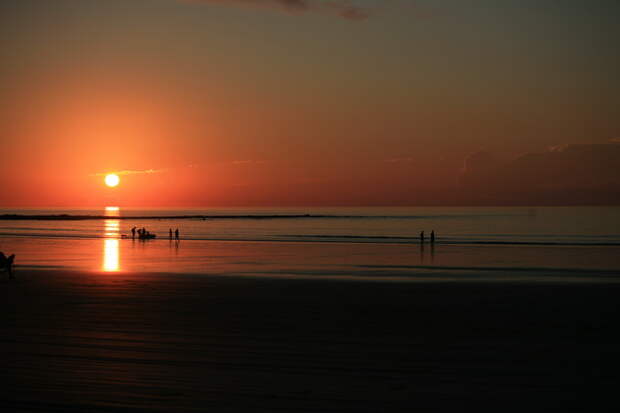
pixel 130 172
pixel 399 160
pixel 247 162
pixel 568 172
pixel 346 9
pixel 477 166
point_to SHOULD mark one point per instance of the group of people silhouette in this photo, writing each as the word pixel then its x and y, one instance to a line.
pixel 144 234
pixel 432 237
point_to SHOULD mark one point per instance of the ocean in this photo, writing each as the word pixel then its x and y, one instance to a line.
pixel 474 243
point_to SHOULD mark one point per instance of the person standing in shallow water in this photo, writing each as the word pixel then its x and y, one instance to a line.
pixel 432 236
pixel 176 234
pixel 422 237
pixel 170 233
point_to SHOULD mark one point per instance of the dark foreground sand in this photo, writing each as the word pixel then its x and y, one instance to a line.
pixel 143 342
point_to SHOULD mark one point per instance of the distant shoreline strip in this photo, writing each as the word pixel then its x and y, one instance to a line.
pixel 68 217
pixel 71 217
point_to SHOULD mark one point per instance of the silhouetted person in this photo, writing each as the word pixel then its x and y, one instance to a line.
pixel 176 234
pixel 7 263
pixel 422 237
pixel 432 236
pixel 133 232
pixel 170 233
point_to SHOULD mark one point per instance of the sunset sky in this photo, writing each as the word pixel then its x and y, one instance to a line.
pixel 308 102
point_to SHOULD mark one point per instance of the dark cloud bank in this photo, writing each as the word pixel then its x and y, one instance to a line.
pixel 570 175
pixel 346 9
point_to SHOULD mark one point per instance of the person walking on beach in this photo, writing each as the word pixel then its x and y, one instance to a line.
pixel 422 237
pixel 432 236
pixel 6 263
pixel 176 234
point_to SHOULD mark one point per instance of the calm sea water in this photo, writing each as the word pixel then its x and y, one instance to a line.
pixel 473 243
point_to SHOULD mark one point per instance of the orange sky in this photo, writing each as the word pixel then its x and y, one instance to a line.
pixel 230 105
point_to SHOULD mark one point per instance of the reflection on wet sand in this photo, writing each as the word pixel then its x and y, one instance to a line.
pixel 111 231
pixel 423 254
pixel 110 255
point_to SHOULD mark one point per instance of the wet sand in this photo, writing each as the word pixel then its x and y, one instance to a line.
pixel 83 341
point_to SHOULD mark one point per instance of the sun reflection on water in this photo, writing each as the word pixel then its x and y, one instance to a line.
pixel 111 228
pixel 111 231
pixel 110 255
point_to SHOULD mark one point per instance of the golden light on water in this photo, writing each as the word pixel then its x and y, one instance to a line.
pixel 111 247
pixel 111 228
pixel 111 255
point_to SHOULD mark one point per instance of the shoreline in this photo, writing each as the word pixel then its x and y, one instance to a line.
pixel 392 274
pixel 366 262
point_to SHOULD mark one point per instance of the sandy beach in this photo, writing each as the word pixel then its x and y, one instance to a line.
pixel 129 341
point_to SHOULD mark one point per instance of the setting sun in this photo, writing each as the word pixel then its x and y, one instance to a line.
pixel 112 180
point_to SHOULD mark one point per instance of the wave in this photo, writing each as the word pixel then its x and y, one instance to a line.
pixel 455 273
pixel 416 240
pixel 320 239
pixel 598 271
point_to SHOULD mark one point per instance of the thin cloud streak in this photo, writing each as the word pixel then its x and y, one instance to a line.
pixel 345 9
pixel 131 172
pixel 246 162
pixel 399 160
